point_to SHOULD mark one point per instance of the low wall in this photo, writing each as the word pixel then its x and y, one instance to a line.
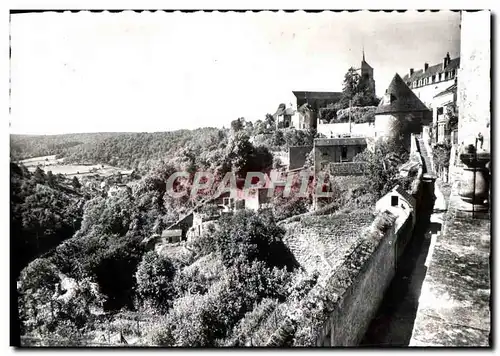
pixel 347 169
pixel 338 311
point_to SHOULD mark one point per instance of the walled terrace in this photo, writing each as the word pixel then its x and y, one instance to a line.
pixel 454 305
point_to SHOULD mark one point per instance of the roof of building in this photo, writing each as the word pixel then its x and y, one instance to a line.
pixel 365 63
pixel 315 95
pixel 167 233
pixel 344 141
pixel 432 70
pixel 407 196
pixel 399 98
pixel 449 90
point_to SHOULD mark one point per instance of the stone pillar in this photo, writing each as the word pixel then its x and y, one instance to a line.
pixel 474 83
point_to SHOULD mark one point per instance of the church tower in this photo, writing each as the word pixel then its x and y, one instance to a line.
pixel 367 74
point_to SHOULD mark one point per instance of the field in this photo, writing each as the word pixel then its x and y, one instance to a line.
pixel 57 166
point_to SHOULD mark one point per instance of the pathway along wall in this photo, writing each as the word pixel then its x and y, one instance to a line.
pixel 338 312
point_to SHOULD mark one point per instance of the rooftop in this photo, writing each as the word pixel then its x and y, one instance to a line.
pixel 449 90
pixel 343 141
pixel 399 98
pixel 432 70
pixel 317 94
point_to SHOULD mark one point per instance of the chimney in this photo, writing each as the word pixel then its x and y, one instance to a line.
pixel 446 60
pixel 426 66
pixel 411 71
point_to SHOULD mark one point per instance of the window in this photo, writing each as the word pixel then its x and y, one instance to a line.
pixel 344 152
pixel 394 200
pixel 440 110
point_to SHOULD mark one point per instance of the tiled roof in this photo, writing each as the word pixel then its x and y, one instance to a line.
pixel 451 89
pixel 315 95
pixel 399 98
pixel 407 196
pixel 432 70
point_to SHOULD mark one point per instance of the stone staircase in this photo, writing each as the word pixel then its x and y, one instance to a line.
pixel 425 156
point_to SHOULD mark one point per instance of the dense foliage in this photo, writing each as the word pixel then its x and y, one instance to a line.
pixel 28 146
pixel 441 153
pixel 382 168
pixel 44 212
pixel 355 93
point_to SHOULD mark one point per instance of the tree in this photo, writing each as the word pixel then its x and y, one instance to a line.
pixel 350 86
pixel 51 180
pixel 441 157
pixel 76 183
pixel 154 281
pixel 39 175
pixel 381 167
pixel 356 91
pixel 238 124
pixel 247 236
pixel 270 122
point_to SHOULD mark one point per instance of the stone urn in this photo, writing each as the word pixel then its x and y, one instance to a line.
pixel 475 185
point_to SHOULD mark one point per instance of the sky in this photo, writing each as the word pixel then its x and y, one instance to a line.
pixel 158 71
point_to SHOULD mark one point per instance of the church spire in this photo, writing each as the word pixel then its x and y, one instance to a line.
pixel 364 53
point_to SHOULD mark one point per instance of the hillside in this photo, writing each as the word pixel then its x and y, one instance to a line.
pixel 45 210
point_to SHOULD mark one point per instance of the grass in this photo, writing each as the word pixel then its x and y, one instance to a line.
pixel 50 163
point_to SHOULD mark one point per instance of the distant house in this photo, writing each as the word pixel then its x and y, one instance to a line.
pixel 257 199
pixel 336 150
pixel 398 199
pixel 308 105
pixel 170 236
pixel 431 80
pixel 283 116
pixel 114 190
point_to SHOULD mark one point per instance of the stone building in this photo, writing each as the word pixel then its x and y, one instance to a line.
pixel 400 108
pixel 474 79
pixel 442 102
pixel 431 80
pixel 310 102
pixel 367 74
pixel 328 151
pixel 283 116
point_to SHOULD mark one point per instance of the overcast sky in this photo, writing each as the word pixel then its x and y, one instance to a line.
pixel 92 72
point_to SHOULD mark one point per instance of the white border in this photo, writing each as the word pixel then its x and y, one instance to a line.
pixel 177 4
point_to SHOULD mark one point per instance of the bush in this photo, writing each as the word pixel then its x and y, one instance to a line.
pixel 247 236
pixel 384 221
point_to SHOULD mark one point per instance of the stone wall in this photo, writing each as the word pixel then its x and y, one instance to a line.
pixel 338 310
pixel 346 169
pixel 332 130
pixel 361 299
pixel 474 82
pixel 297 156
